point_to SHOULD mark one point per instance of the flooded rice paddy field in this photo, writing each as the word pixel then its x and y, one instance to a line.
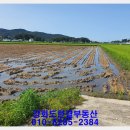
pixel 46 68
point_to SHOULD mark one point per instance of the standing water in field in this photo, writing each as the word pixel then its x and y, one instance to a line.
pixel 82 66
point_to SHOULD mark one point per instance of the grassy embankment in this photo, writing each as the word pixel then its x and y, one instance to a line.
pixel 120 54
pixel 17 112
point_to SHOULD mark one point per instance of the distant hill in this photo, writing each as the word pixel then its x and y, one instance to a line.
pixel 14 32
pixel 38 36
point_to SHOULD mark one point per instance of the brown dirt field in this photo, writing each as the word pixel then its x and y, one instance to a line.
pixel 16 51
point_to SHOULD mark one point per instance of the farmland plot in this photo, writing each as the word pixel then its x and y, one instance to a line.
pixel 46 67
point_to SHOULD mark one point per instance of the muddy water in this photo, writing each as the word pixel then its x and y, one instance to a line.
pixel 66 75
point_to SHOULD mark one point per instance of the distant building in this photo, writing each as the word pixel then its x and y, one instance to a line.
pixel 31 40
pixel 128 43
pixel 17 40
pixel 6 40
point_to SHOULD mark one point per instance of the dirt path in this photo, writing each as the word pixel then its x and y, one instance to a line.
pixel 111 112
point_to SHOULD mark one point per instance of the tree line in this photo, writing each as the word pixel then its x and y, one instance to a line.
pixel 26 37
pixel 121 41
